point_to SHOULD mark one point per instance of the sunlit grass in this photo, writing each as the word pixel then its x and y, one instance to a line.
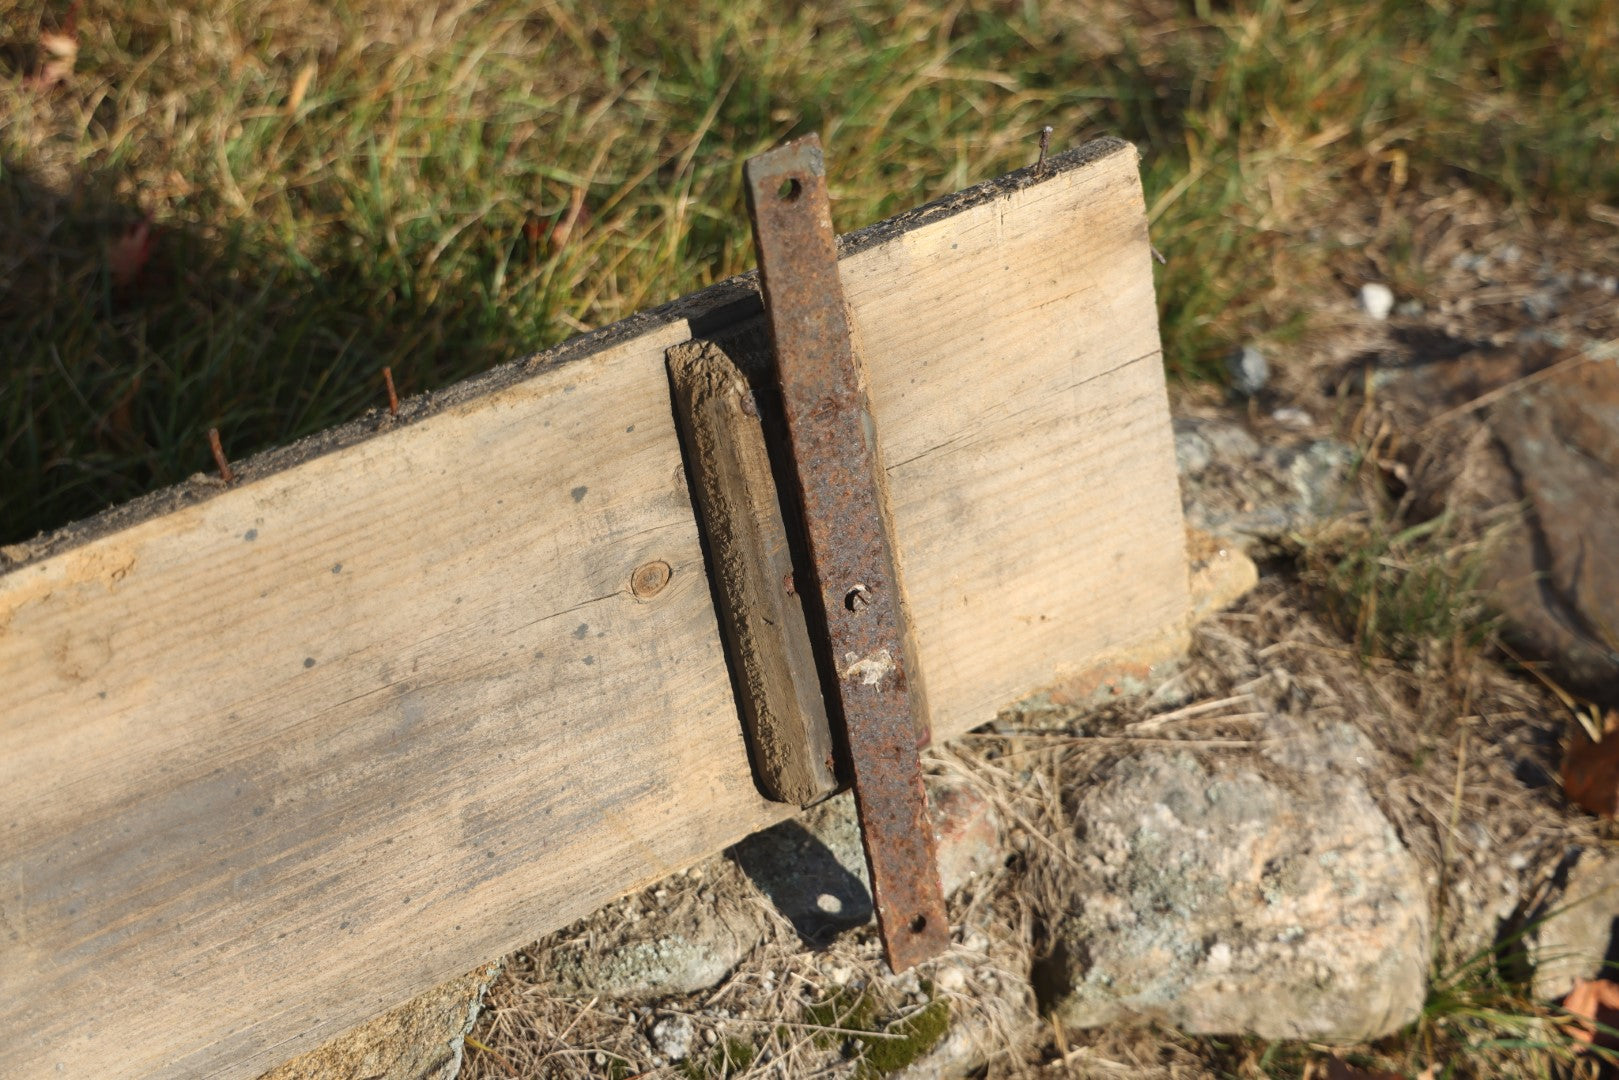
pixel 459 184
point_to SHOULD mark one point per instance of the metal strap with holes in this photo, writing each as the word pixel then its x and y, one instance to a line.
pixel 832 441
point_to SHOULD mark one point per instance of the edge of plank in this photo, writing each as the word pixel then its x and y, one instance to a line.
pixel 725 302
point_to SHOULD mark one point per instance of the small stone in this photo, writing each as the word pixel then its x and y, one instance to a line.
pixel 1541 304
pixel 1192 452
pixel 1574 938
pixel 673 1037
pixel 671 949
pixel 1552 574
pixel 1376 300
pixel 1254 495
pixel 952 980
pixel 967 831
pixel 709 1036
pixel 1249 370
pixel 599 1058
pixel 1230 443
pixel 1293 417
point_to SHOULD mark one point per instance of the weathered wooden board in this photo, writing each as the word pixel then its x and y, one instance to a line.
pixel 275 759
pixel 750 562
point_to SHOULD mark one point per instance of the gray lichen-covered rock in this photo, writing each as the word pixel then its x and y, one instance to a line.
pixel 1574 937
pixel 992 1013
pixel 680 941
pixel 422 1039
pixel 1239 896
pixel 1252 494
pixel 1557 575
pixel 1536 472
pixel 626 952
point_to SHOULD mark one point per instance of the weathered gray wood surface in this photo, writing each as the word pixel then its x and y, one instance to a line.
pixel 275 759
pixel 751 564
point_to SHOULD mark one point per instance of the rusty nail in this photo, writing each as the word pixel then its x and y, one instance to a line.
pixel 1045 144
pixel 225 473
pixel 650 579
pixel 393 395
pixel 858 597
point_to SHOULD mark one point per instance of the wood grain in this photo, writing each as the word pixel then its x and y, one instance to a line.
pixel 283 754
pixel 751 564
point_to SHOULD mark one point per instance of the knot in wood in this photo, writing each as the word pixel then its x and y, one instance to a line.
pixel 649 579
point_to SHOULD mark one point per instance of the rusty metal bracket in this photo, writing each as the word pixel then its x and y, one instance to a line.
pixel 840 492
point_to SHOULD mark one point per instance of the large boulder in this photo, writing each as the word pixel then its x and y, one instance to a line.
pixel 1232 896
pixel 1521 444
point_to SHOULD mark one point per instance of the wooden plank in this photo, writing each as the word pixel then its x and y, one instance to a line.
pixel 284 754
pixel 752 567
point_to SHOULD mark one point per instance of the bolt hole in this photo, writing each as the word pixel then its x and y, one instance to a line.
pixel 789 190
pixel 919 924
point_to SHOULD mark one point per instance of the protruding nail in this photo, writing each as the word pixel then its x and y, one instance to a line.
pixel 393 395
pixel 225 473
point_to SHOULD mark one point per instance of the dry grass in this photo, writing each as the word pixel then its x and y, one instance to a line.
pixel 331 189
pixel 1449 770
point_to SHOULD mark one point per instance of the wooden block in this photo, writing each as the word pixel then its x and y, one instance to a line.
pixel 276 757
pixel 752 565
